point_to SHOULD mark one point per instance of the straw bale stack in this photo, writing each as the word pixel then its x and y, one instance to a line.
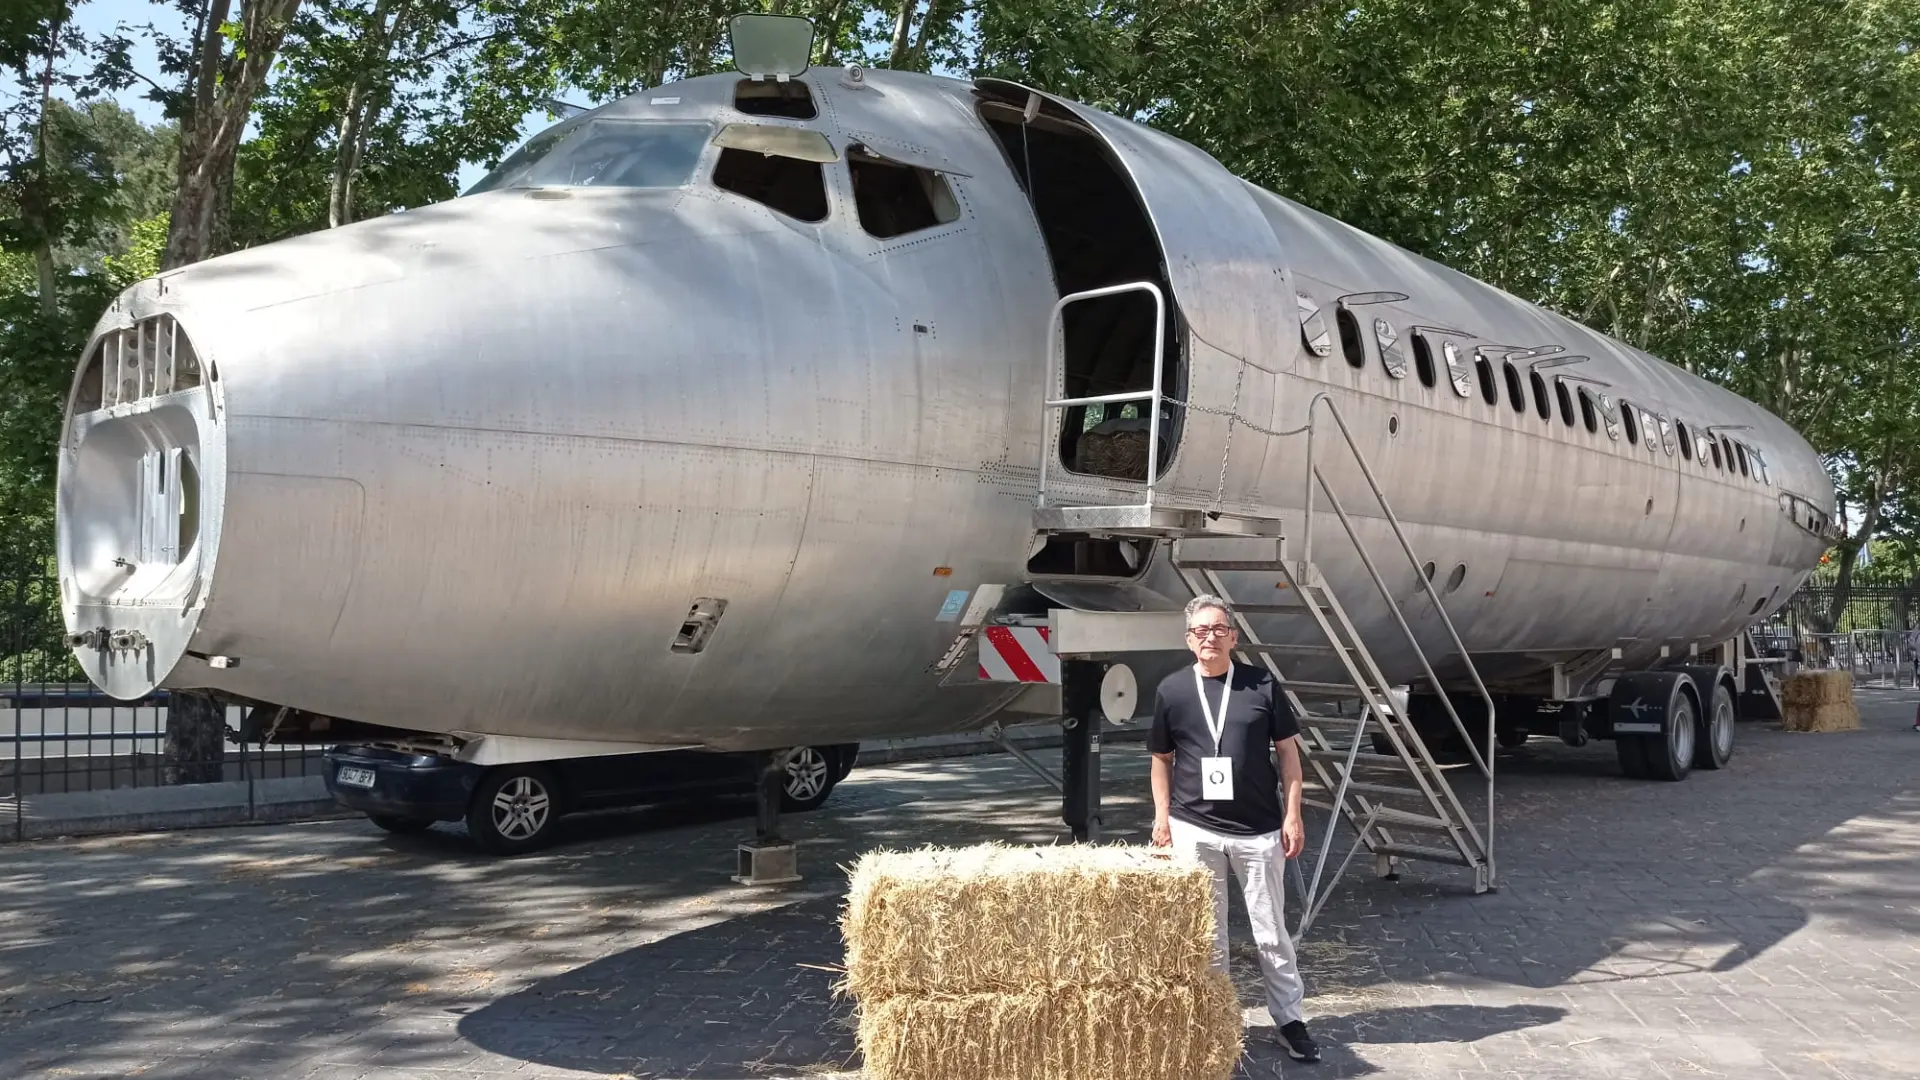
pixel 1819 701
pixel 1062 963
pixel 1814 687
pixel 1119 454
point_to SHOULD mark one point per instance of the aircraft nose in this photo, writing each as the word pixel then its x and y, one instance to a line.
pixel 141 473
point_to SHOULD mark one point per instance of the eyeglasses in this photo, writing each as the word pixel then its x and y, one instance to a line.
pixel 1205 632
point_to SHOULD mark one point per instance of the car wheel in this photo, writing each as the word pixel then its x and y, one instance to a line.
pixel 396 824
pixel 808 778
pixel 514 809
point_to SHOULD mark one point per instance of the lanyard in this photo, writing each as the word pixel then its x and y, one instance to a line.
pixel 1215 729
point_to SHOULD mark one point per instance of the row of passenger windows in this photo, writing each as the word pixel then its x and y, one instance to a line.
pixel 780 167
pixel 1595 409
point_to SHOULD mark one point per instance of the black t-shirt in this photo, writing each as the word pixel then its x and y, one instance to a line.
pixel 1257 717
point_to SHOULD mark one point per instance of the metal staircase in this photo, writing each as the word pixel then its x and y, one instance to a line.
pixel 1370 769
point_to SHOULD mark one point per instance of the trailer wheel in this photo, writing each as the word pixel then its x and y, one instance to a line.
pixel 1661 722
pixel 514 809
pixel 1713 743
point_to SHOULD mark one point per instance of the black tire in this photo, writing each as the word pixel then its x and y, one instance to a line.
pixel 1670 754
pixel 845 756
pixel 400 825
pixel 808 777
pixel 1511 737
pixel 514 809
pixel 1713 742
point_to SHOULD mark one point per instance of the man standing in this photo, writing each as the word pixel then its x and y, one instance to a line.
pixel 1216 730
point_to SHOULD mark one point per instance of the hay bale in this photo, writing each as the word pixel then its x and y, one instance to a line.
pixel 993 918
pixel 1058 963
pixel 1144 1031
pixel 1817 688
pixel 1119 454
pixel 1839 716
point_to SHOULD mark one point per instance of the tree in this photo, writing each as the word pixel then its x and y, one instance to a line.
pixel 230 63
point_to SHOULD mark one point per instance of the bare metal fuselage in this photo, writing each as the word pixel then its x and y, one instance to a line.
pixel 464 469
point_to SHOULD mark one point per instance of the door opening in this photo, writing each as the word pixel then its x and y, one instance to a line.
pixel 1097 234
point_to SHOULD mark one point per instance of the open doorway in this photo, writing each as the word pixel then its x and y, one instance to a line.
pixel 1097 234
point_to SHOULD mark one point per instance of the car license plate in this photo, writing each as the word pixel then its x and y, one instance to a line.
pixel 352 777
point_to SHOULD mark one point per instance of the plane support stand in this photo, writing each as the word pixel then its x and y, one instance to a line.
pixel 1080 747
pixel 769 859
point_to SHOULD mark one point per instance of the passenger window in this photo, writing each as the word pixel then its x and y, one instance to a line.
pixel 1742 451
pixel 1540 403
pixel 1391 357
pixel 1726 451
pixel 1760 467
pixel 1484 369
pixel 769 97
pixel 894 199
pixel 1686 440
pixel 791 186
pixel 1515 395
pixel 1717 463
pixel 1566 403
pixel 1313 327
pixel 1666 435
pixel 1423 360
pixel 1610 414
pixel 1350 344
pixel 1627 410
pixel 1586 411
pixel 1457 370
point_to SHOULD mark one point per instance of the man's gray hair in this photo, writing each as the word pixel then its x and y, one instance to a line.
pixel 1201 603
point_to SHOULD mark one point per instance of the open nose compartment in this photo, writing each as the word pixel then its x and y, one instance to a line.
pixel 140 479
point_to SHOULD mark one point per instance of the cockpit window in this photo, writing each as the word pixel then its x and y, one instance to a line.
pixel 603 153
pixel 895 199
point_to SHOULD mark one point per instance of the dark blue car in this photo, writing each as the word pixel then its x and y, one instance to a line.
pixel 512 808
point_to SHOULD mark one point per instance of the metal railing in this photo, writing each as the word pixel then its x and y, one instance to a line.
pixel 1483 761
pixel 1056 376
pixel 60 735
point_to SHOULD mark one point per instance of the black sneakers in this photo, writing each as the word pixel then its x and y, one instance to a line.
pixel 1299 1043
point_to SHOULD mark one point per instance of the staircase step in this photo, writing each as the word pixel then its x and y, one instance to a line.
pixel 1229 564
pixel 1377 761
pixel 1322 689
pixel 1406 819
pixel 1427 854
pixel 1257 647
pixel 1388 791
pixel 1276 609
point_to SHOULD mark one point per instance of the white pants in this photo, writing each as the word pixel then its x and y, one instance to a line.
pixel 1261 864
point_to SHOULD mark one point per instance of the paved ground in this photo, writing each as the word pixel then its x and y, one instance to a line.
pixel 1760 921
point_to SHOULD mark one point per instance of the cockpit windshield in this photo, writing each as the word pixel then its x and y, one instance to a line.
pixel 603 153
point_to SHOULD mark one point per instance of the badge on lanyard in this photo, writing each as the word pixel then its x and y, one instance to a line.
pixel 1216 773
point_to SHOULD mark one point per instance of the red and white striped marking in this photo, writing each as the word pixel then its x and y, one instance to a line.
pixel 1018 654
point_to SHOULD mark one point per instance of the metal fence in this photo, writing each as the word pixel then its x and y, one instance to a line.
pixel 60 735
pixel 1874 639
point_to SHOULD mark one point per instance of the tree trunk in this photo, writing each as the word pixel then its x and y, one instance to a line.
pixel 935 18
pixel 346 160
pixel 902 32
pixel 1843 581
pixel 47 276
pixel 196 738
pixel 359 114
pixel 210 134
pixel 831 34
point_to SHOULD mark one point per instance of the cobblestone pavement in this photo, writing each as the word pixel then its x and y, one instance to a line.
pixel 1764 920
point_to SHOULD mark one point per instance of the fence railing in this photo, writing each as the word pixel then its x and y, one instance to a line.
pixel 59 735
